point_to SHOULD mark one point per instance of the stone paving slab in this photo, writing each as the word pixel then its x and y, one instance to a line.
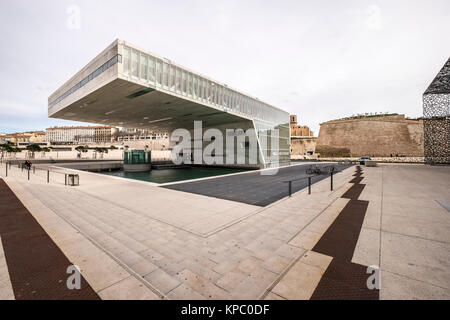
pixel 405 231
pixel 99 269
pixel 243 259
pixel 239 261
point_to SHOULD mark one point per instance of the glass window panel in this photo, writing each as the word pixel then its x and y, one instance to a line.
pixel 230 99
pixel 172 78
pixel 194 87
pixel 158 72
pixel 224 97
pixel 189 85
pixel 165 75
pixel 151 70
pixel 214 94
pixel 126 60
pixel 219 95
pixel 207 87
pixel 178 80
pixel 144 67
pixel 183 82
pixel 134 63
pixel 200 88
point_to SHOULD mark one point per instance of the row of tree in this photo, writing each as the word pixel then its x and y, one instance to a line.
pixel 84 149
pixel 8 147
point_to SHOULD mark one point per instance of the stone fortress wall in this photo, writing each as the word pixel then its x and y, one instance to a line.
pixel 376 136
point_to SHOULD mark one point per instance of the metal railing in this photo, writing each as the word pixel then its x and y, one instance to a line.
pixel 33 171
pixel 313 172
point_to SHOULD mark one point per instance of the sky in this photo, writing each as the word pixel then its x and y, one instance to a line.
pixel 320 60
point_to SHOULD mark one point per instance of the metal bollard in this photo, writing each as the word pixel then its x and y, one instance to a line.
pixel 48 176
pixel 290 189
pixel 331 180
pixel 28 173
pixel 65 179
pixel 309 185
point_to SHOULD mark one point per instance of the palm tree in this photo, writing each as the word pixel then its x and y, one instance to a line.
pixel 33 148
pixel 101 151
pixel 81 149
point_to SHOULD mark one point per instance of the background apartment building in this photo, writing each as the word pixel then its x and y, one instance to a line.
pixel 128 134
pixel 81 134
pixel 24 138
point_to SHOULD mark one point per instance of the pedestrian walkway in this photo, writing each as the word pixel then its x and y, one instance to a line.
pixel 239 260
pixel 404 231
pixel 391 222
pixel 37 268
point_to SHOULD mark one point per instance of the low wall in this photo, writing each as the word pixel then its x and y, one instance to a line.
pixel 93 166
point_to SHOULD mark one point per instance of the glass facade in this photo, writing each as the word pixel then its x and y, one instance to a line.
pixel 136 157
pixel 178 80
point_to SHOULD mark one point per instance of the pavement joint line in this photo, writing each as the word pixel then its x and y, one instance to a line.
pixel 412 236
pixel 278 279
pixel 141 215
pixel 122 264
pixel 204 235
pixel 316 217
pixel 414 279
pixel 180 284
pixel 262 209
pixel 276 294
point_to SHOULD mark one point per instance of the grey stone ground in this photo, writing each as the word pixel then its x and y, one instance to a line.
pixel 258 189
pixel 253 255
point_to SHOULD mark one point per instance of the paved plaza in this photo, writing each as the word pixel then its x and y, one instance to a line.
pixel 258 188
pixel 137 240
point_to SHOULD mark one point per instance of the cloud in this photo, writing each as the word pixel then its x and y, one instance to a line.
pixel 13 108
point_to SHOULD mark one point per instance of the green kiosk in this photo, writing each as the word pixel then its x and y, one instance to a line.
pixel 137 160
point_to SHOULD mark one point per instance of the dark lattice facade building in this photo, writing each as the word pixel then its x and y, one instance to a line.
pixel 436 113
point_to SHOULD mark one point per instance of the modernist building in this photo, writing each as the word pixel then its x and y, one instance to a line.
pixel 130 87
pixel 436 114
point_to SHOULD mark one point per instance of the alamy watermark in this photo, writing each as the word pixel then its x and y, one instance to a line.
pixel 74 280
pixel 238 147
pixel 374 280
pixel 73 21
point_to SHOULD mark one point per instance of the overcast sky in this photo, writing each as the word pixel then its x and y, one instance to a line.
pixel 321 60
